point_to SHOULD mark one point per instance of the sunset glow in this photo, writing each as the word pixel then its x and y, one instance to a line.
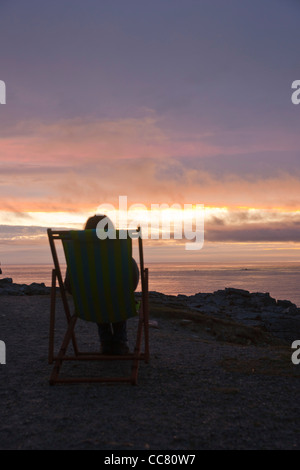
pixel 203 118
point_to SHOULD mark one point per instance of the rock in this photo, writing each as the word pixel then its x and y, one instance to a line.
pixel 8 287
pixel 257 309
pixel 153 324
pixel 284 303
pixel 233 291
pixel 5 280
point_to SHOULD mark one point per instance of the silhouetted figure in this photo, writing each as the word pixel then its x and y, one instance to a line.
pixel 113 336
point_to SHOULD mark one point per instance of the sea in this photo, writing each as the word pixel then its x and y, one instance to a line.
pixel 281 281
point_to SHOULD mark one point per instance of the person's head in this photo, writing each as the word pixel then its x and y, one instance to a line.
pixel 93 221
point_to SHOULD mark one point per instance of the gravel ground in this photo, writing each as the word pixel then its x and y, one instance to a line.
pixel 196 393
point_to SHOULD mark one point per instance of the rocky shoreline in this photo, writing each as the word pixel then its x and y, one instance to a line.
pixel 281 318
pixel 8 287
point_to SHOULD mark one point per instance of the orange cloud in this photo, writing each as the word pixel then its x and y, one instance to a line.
pixel 85 187
pixel 77 164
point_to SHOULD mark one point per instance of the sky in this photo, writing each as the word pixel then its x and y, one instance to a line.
pixel 168 102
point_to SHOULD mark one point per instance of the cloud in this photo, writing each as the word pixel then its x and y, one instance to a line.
pixel 84 187
pixel 257 233
pixel 12 231
pixel 74 141
pixel 220 225
pixel 253 226
pixel 88 140
pixel 77 164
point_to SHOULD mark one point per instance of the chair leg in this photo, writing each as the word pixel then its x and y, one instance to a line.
pixel 59 359
pixel 52 318
pixel 146 318
pixel 137 350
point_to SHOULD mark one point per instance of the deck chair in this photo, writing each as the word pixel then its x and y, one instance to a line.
pixel 100 272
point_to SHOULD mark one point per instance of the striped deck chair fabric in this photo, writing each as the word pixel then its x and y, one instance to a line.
pixel 100 273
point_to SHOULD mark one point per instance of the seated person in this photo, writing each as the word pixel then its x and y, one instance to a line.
pixel 113 336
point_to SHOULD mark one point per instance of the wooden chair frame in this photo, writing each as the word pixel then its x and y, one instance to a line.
pixel 69 337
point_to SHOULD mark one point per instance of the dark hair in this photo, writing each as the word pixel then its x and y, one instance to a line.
pixel 93 221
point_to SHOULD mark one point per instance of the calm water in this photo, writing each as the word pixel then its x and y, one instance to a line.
pixel 281 281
